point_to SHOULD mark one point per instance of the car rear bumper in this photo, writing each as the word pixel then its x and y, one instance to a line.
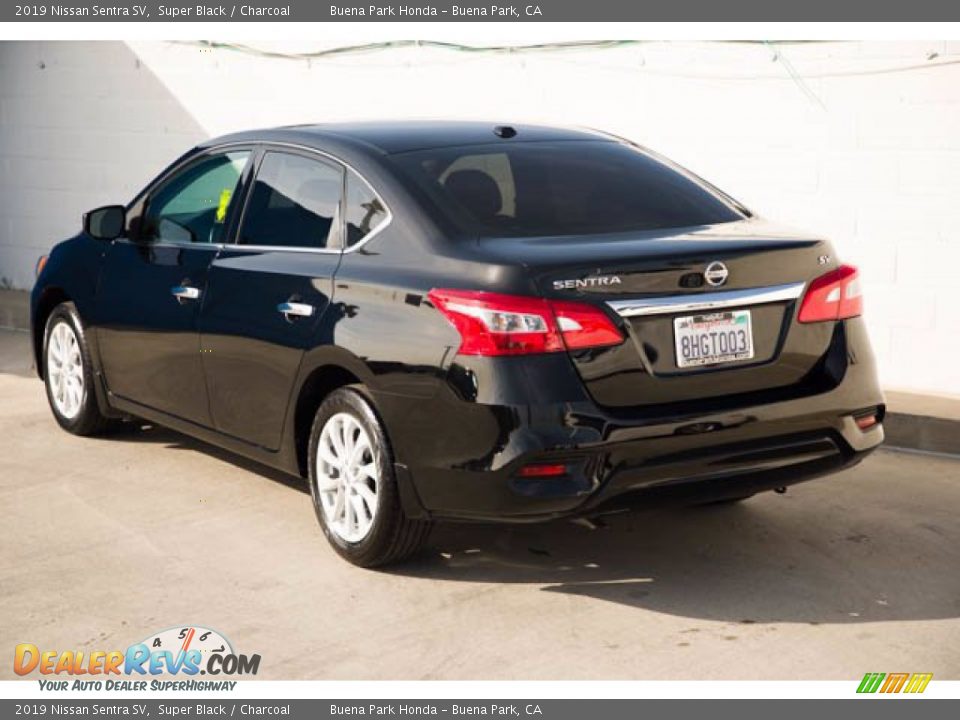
pixel 464 456
pixel 653 471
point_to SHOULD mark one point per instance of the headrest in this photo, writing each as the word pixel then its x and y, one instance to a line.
pixel 476 191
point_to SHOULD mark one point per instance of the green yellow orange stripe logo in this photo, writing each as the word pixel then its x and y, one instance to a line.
pixel 918 682
pixel 894 682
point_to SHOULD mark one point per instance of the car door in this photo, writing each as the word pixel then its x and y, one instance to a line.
pixel 268 292
pixel 153 282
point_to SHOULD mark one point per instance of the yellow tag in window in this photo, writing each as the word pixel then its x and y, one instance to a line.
pixel 225 196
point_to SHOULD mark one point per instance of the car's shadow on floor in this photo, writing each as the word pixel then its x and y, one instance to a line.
pixel 143 432
pixel 764 561
pixel 812 556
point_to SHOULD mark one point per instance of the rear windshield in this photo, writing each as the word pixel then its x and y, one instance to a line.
pixel 562 188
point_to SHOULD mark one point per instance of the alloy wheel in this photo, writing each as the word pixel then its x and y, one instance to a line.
pixel 348 479
pixel 65 370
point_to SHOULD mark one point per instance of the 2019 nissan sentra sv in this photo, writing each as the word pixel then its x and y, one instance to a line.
pixel 461 321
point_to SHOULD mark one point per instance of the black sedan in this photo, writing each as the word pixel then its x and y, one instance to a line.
pixel 461 321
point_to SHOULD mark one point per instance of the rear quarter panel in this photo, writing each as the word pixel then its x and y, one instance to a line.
pixel 382 328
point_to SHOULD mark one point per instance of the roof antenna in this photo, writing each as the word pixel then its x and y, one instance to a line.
pixel 504 131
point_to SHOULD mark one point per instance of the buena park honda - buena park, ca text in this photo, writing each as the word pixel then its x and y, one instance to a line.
pixel 430 11
pixel 224 11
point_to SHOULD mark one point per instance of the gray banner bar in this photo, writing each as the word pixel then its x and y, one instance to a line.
pixel 473 11
pixel 853 709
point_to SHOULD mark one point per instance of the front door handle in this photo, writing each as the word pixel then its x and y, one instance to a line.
pixel 295 309
pixel 185 292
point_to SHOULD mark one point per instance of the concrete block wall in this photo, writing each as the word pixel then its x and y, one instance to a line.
pixel 856 141
pixel 81 125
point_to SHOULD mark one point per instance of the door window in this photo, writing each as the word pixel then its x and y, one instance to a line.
pixel 295 203
pixel 365 211
pixel 193 206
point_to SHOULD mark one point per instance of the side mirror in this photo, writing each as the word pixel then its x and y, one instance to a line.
pixel 105 223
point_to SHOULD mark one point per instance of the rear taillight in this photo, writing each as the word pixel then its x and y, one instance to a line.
pixel 834 296
pixel 584 326
pixel 496 324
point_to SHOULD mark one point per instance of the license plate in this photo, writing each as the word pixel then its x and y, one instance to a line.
pixel 714 338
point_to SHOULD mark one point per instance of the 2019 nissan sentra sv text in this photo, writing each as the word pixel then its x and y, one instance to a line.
pixel 461 321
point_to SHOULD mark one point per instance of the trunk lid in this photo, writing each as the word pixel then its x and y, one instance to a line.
pixel 649 281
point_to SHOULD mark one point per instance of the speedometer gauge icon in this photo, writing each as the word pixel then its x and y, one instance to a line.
pixel 189 637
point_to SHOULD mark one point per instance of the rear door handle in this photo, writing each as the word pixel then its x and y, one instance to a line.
pixel 295 309
pixel 185 292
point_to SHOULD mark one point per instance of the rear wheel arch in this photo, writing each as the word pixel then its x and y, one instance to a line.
pixel 320 382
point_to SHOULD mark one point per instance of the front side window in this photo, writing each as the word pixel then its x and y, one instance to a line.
pixel 193 206
pixel 295 202
pixel 365 210
pixel 580 187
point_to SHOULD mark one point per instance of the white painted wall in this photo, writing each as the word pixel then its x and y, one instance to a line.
pixel 861 150
pixel 81 125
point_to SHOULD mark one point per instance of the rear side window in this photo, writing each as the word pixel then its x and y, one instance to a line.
pixel 562 188
pixel 193 205
pixel 295 202
pixel 365 210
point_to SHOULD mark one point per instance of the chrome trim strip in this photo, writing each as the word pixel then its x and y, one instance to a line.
pixel 673 304
pixel 171 244
pixel 283 248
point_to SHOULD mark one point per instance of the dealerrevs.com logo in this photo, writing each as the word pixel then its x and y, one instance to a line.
pixel 187 651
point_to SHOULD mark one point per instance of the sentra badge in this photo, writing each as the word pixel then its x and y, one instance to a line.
pixel 590 282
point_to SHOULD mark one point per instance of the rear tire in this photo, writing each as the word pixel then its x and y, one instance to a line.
pixel 353 484
pixel 68 373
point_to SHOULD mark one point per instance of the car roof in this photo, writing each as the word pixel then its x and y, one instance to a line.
pixel 407 135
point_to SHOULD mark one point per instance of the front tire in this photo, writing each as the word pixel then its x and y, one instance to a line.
pixel 68 373
pixel 353 484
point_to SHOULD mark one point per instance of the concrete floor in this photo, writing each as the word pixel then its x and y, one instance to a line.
pixel 106 540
